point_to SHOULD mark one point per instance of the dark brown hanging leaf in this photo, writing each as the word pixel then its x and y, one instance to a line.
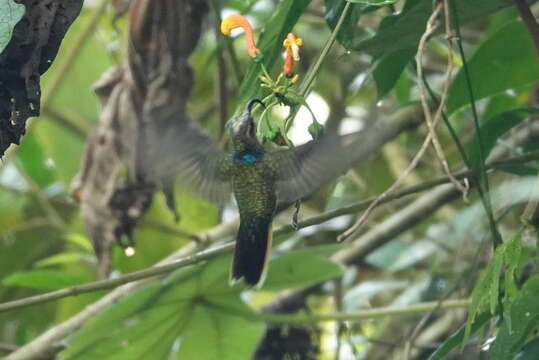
pixel 30 52
pixel 144 95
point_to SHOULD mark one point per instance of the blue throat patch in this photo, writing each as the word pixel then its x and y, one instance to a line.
pixel 248 158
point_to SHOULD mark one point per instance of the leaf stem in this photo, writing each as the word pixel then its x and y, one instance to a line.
pixel 497 239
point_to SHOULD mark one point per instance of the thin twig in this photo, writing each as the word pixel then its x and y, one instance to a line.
pixel 485 195
pixel 365 314
pixel 432 122
pixel 437 146
pixel 124 279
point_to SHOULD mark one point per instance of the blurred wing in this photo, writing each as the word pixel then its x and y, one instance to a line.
pixel 182 152
pixel 302 170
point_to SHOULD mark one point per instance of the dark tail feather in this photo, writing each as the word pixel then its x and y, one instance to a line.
pixel 251 253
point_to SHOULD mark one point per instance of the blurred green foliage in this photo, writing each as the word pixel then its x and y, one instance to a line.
pixel 369 74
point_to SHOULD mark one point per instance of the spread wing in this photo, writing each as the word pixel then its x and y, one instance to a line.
pixel 303 169
pixel 182 151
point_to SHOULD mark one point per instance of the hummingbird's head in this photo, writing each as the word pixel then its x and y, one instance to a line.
pixel 243 128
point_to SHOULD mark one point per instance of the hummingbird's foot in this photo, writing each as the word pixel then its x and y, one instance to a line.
pixel 295 222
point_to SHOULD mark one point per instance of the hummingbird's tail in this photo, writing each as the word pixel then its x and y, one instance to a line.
pixel 251 253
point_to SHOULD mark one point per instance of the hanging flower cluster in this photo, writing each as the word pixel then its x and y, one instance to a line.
pixel 282 90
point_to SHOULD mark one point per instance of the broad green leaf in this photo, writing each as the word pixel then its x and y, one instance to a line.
pixel 406 28
pixel 10 14
pixel 334 9
pixel 493 128
pixel 193 307
pixel 505 60
pixel 299 269
pixel 112 320
pixel 389 68
pixel 520 320
pixel 213 333
pixel 456 339
pixel 41 279
pixel 270 44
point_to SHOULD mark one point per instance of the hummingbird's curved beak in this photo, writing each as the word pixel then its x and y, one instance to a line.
pixel 251 104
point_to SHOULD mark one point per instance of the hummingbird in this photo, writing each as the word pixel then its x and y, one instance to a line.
pixel 261 181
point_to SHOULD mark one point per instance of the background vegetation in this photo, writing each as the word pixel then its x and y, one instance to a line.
pixel 441 261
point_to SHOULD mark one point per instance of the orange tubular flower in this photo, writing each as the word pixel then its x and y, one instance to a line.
pixel 291 44
pixel 238 21
pixel 289 66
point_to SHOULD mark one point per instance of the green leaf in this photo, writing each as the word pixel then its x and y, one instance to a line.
pixel 493 128
pixel 80 240
pixel 520 320
pixel 458 337
pixel 270 44
pixel 374 2
pixel 215 334
pixel 34 162
pixel 300 269
pixel 530 351
pixel 347 32
pixel 10 14
pixel 505 60
pixel 487 289
pixel 65 258
pixel 405 29
pixel 193 307
pixel 41 279
pixel 389 68
pixel 519 169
